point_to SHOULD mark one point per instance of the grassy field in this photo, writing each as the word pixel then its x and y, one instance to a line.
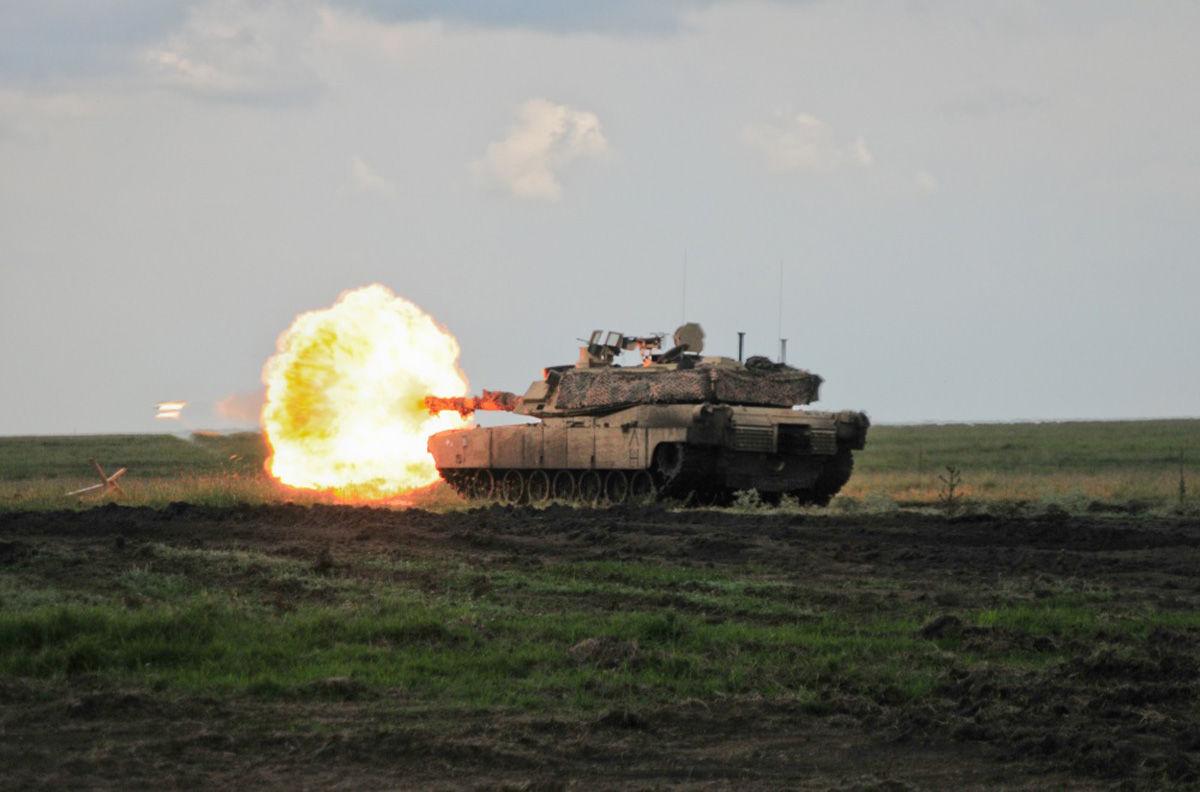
pixel 331 646
pixel 238 638
pixel 389 634
pixel 1072 465
pixel 504 637
pixel 1068 463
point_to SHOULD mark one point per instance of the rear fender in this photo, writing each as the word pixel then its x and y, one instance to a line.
pixel 852 429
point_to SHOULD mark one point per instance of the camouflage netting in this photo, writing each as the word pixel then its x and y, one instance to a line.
pixel 600 388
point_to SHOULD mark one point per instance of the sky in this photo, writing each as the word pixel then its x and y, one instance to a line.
pixel 980 211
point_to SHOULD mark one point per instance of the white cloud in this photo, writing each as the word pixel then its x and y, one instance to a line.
pixel 927 183
pixel 346 31
pixel 802 142
pixel 365 179
pixel 546 138
pixel 237 51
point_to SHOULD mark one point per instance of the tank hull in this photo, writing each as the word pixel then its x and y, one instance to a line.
pixel 697 452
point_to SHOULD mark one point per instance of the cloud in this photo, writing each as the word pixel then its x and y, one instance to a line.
pixel 46 40
pixel 927 183
pixel 557 16
pixel 345 31
pixel 230 50
pixel 802 142
pixel 545 138
pixel 366 180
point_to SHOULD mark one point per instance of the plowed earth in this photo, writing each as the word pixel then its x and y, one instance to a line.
pixel 1110 701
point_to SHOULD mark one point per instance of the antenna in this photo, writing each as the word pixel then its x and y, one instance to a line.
pixel 683 303
pixel 780 334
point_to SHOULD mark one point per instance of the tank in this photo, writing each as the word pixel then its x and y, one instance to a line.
pixel 680 426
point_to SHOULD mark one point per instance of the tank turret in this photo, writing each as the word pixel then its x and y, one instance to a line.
pixel 679 424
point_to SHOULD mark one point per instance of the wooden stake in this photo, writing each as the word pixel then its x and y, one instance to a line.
pixel 107 483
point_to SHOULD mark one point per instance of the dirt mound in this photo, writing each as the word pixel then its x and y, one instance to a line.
pixel 622 719
pixel 943 626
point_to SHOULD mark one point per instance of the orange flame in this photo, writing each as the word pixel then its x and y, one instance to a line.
pixel 345 402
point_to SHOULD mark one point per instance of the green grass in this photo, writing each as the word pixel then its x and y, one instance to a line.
pixel 469 655
pixel 222 621
pixel 437 627
pixel 1070 464
pixel 454 631
pixel 210 622
pixel 1087 447
pixel 1083 621
pixel 151 456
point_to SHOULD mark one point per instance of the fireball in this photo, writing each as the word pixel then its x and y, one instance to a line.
pixel 344 408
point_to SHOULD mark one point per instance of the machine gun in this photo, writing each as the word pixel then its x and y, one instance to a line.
pixel 602 348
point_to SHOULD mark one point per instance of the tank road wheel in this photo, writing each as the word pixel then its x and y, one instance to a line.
pixel 512 487
pixel 562 487
pixel 464 483
pixel 641 487
pixel 481 485
pixel 590 487
pixel 616 486
pixel 454 480
pixel 538 487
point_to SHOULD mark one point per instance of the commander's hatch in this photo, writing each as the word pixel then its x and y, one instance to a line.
pixel 689 343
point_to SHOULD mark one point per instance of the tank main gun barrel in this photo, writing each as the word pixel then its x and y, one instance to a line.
pixel 501 401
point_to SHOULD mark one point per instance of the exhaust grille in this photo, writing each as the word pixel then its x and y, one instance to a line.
pixel 824 441
pixel 754 438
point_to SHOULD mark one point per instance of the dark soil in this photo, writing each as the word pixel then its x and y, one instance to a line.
pixel 1113 711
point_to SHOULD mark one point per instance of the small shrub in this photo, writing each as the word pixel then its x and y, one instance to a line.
pixel 950 495
pixel 748 500
pixel 1182 483
pixel 790 503
pixel 844 504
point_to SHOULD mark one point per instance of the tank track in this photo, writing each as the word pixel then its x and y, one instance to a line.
pixel 589 487
pixel 690 475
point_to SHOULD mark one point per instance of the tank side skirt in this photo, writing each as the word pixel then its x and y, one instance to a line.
pixel 712 466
